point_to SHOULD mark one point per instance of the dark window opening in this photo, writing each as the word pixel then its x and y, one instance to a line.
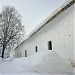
pixel 50 45
pixel 25 53
pixel 36 49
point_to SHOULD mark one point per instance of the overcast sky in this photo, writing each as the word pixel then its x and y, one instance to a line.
pixel 32 11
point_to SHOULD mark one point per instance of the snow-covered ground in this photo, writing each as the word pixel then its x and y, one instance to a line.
pixel 40 63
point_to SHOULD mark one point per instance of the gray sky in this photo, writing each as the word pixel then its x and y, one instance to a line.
pixel 32 11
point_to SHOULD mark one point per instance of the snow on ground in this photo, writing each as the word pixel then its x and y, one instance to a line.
pixel 52 63
pixel 40 63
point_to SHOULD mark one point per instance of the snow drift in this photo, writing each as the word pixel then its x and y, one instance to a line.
pixel 49 62
pixel 44 62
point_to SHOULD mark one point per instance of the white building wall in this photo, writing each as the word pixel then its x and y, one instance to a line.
pixel 60 31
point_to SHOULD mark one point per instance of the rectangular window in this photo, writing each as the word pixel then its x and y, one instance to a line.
pixel 25 53
pixel 36 49
pixel 50 45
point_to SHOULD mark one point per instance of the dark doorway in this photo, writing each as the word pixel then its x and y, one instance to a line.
pixel 25 53
pixel 36 49
pixel 49 45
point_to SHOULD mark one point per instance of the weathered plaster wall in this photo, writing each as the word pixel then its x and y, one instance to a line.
pixel 60 31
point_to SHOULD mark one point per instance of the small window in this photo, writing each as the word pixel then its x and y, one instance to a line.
pixel 25 53
pixel 50 45
pixel 36 49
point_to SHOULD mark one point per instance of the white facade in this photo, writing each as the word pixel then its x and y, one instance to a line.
pixel 60 31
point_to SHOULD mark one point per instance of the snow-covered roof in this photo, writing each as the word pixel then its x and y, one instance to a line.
pixel 54 14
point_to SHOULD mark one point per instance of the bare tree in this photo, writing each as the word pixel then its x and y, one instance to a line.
pixel 11 29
